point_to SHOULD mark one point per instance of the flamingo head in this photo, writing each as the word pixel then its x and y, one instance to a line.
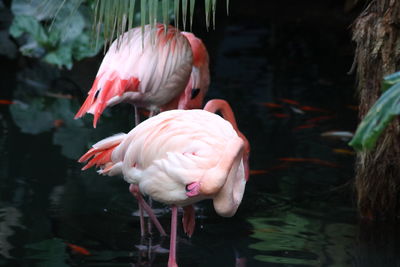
pixel 107 90
pixel 225 183
pixel 196 89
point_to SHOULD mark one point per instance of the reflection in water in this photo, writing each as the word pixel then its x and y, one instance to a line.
pixel 294 238
pixel 9 220
pixel 296 210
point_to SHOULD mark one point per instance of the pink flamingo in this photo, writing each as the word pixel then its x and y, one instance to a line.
pixel 160 69
pixel 180 157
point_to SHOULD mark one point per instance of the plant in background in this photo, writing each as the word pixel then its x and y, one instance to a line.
pixel 118 16
pixel 386 108
pixel 56 31
pixel 60 31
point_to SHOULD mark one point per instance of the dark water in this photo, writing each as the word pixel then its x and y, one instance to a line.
pixel 298 209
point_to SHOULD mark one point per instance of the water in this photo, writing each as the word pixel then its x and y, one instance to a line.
pixel 298 208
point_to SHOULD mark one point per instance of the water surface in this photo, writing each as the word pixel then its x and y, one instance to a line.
pixel 298 208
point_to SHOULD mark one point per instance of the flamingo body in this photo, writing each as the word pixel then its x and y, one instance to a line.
pixel 179 157
pixel 150 70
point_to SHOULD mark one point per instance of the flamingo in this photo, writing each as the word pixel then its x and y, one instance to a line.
pixel 159 69
pixel 180 157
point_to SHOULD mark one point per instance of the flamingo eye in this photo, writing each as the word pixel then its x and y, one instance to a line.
pixel 96 94
pixel 195 92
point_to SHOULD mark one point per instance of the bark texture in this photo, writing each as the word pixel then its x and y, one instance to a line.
pixel 376 33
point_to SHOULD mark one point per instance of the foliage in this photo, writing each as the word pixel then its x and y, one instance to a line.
pixel 57 31
pixel 32 118
pixel 43 114
pixel 386 108
pixel 60 31
pixel 7 47
pixel 120 15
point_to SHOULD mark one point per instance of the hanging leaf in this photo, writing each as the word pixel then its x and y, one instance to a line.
pixel 192 4
pixel 214 9
pixel 165 12
pixel 184 13
pixel 386 108
pixel 176 13
pixel 131 12
pixel 113 14
pixel 208 11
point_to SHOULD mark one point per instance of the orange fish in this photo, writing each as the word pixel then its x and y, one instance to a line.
pixel 310 108
pixel 352 107
pixel 271 105
pixel 6 102
pixel 305 126
pixel 289 101
pixel 257 172
pixel 310 160
pixel 58 123
pixel 344 151
pixel 78 249
pixel 280 115
pixel 320 118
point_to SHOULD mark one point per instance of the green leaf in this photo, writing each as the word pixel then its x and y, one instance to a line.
pixel 131 13
pixel 70 23
pixel 176 13
pixel 40 9
pixel 62 56
pixel 207 4
pixel 192 5
pixel 32 118
pixel 377 119
pixel 165 10
pixel 22 24
pixel 66 39
pixel 184 13
pixel 390 80
pixel 83 47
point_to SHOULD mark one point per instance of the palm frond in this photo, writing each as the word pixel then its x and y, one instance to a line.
pixel 117 16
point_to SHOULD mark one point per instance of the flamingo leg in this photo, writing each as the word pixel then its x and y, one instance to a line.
pixel 142 204
pixel 189 220
pixel 141 216
pixel 137 116
pixel 172 244
pixel 149 225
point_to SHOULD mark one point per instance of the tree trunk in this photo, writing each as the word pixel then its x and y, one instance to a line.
pixel 377 35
